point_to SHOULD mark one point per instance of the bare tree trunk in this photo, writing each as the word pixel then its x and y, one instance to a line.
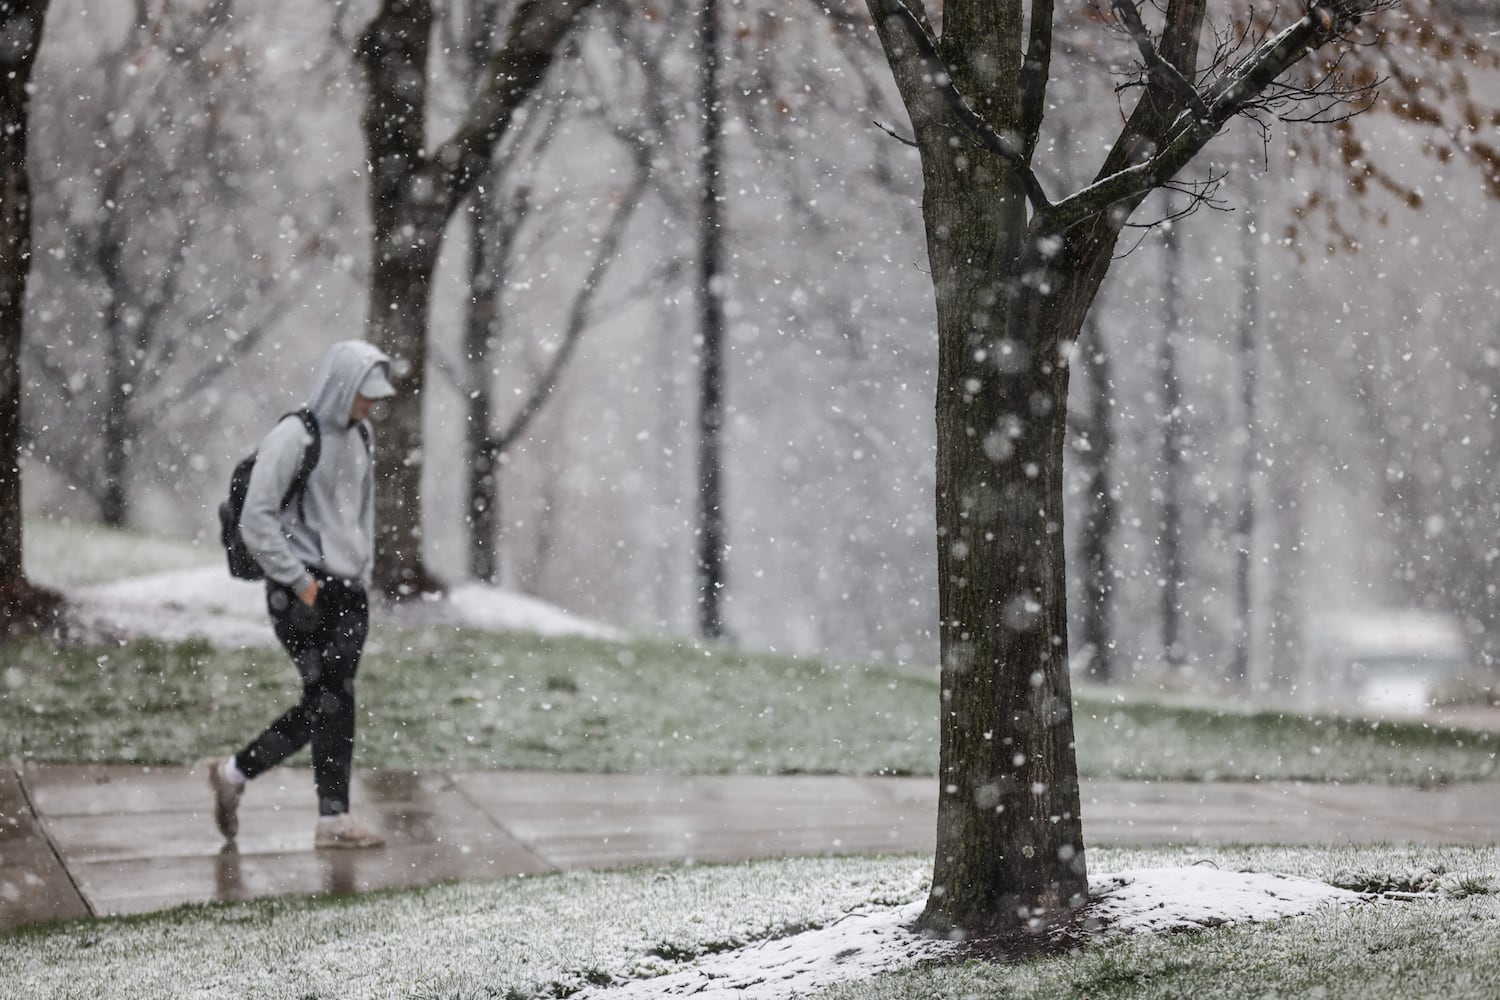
pixel 479 333
pixel 711 541
pixel 22 606
pixel 1244 530
pixel 114 492
pixel 1100 517
pixel 413 193
pixel 1169 527
pixel 1285 625
pixel 1004 647
pixel 485 288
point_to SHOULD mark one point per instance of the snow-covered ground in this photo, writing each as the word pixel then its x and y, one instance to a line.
pixel 205 602
pixel 866 942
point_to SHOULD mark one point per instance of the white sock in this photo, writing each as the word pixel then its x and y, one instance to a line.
pixel 232 772
pixel 330 819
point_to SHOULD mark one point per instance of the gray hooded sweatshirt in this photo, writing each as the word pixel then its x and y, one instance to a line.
pixel 335 531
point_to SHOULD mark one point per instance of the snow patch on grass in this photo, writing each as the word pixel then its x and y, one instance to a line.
pixel 1158 900
pixel 487 609
pixel 857 946
pixel 207 603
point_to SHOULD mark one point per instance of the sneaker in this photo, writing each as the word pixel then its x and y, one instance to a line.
pixel 344 831
pixel 226 799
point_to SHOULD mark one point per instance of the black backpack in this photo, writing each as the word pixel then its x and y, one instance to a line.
pixel 242 564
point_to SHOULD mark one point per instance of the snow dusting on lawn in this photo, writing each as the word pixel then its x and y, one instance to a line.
pixel 867 942
pixel 856 947
pixel 207 603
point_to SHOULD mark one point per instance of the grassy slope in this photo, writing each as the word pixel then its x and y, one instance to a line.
pixel 62 553
pixel 459 698
pixel 463 699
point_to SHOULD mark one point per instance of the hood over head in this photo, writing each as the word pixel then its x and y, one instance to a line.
pixel 347 365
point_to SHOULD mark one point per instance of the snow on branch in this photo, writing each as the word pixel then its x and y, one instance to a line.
pixel 1130 17
pixel 1240 88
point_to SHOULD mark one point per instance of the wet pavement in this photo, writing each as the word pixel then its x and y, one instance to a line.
pixel 105 840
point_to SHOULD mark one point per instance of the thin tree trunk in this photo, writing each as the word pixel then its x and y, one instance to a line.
pixel 1169 533
pixel 1285 625
pixel 114 500
pixel 400 291
pixel 711 540
pixel 1244 530
pixel 1100 515
pixel 22 606
pixel 479 332
pixel 485 286
pixel 21 28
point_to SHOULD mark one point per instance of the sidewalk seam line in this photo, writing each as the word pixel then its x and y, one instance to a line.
pixel 530 849
pixel 57 853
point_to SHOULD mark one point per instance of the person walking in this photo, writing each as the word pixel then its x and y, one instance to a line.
pixel 317 553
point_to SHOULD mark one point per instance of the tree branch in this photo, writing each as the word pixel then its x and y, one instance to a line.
pixel 895 135
pixel 535 34
pixel 932 99
pixel 1130 17
pixel 1035 73
pixel 1231 94
pixel 578 317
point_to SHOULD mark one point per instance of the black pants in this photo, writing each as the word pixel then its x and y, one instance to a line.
pixel 325 642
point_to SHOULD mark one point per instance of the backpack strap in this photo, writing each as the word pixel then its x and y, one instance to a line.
pixel 298 487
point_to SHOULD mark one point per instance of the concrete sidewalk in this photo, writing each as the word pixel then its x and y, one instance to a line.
pixel 104 840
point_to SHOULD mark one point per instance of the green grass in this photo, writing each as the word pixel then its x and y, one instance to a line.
pixel 543 937
pixel 1120 738
pixel 465 699
pixel 60 552
pixel 474 700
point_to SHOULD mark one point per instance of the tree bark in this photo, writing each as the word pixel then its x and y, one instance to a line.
pixel 23 606
pixel 1242 657
pixel 480 334
pixel 119 358
pixel 1169 525
pixel 1101 516
pixel 711 541
pixel 413 193
pixel 479 331
pixel 20 36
